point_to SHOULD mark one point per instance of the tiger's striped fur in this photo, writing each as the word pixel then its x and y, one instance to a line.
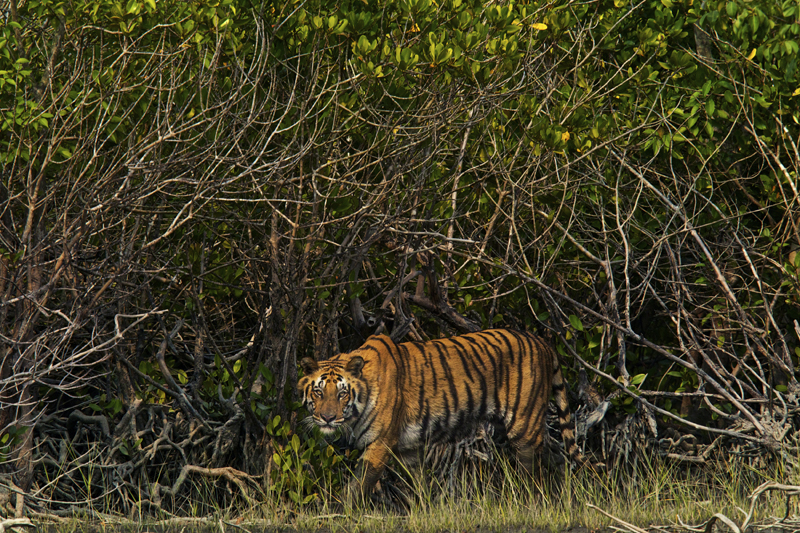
pixel 396 398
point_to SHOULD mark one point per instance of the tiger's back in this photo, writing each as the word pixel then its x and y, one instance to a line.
pixel 396 398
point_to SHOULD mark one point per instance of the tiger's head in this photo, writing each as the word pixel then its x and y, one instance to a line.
pixel 333 392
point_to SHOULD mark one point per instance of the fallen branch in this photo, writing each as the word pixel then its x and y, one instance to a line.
pixel 16 522
pixel 709 526
pixel 231 474
pixel 790 490
pixel 626 525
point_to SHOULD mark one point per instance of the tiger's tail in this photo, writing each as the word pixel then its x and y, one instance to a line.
pixel 565 421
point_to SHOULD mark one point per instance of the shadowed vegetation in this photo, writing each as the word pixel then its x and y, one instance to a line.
pixel 196 195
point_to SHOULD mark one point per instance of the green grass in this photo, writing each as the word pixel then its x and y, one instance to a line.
pixel 498 498
pixel 657 493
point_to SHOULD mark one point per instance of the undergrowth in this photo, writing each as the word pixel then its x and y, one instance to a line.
pixel 497 497
pixel 655 492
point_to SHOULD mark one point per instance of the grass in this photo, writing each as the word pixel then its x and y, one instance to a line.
pixel 656 493
pixel 500 499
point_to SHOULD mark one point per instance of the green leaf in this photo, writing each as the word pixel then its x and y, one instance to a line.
pixel 576 322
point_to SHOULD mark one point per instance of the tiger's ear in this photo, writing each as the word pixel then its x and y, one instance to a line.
pixel 308 365
pixel 355 365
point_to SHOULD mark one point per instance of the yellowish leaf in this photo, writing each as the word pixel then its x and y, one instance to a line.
pixel 751 55
pixel 565 136
pixel 539 26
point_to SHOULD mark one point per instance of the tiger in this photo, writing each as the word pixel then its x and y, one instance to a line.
pixel 394 399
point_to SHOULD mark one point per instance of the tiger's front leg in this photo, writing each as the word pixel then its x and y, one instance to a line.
pixel 373 462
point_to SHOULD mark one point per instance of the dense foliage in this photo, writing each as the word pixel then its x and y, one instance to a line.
pixel 196 194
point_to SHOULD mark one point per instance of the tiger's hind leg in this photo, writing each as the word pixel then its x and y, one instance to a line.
pixel 526 435
pixel 530 456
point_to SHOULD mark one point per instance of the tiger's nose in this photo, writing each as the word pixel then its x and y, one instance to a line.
pixel 327 418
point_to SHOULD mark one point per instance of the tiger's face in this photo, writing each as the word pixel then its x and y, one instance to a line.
pixel 333 392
